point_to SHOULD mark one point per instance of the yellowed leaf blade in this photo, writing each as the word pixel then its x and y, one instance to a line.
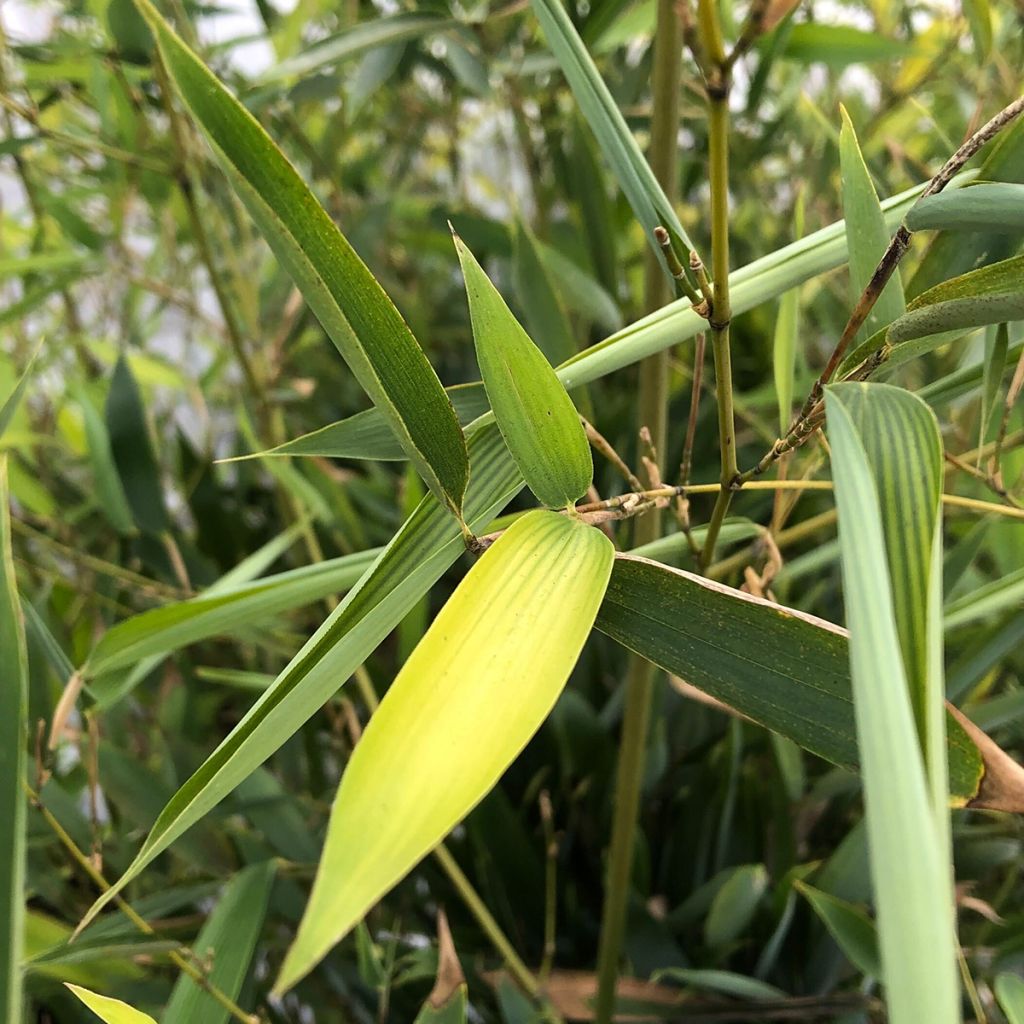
pixel 113 1011
pixel 470 697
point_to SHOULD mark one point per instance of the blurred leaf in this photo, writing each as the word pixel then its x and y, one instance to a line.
pixel 990 599
pixel 422 550
pixel 988 206
pixel 536 417
pixel 352 307
pixel 725 982
pixel 979 17
pixel 113 1011
pixel 735 904
pixel 172 626
pixel 228 940
pixel 852 929
pixel 13 400
pixel 634 175
pixel 474 691
pixel 989 295
pixel 995 367
pixel 1010 993
pixel 132 450
pixel 369 35
pixel 866 233
pixel 546 321
pixel 913 894
pixel 366 435
pixel 840 45
pixel 744 652
pixel 110 494
pixel 13 721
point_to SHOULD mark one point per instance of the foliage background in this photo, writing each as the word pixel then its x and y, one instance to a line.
pixel 170 338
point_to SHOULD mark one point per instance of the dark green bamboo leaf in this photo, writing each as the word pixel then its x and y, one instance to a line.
pixel 997 344
pixel 866 233
pixel 989 295
pixel 132 450
pixel 634 175
pixel 228 940
pixel 354 310
pixel 784 669
pixel 13 733
pixel 535 415
pixel 989 206
pixel 423 549
pixel 110 494
pixel 380 31
pixel 852 929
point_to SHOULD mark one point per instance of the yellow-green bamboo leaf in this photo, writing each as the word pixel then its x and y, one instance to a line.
pixel 464 705
pixel 113 1011
pixel 353 308
pixel 536 416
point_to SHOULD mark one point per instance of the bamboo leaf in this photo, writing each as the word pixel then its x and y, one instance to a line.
pixel 423 549
pixel 840 45
pixel 782 668
pixel 536 417
pixel 784 343
pixel 990 295
pixel 989 206
pixel 354 310
pixel 13 400
pixel 170 627
pixel 634 175
pixel 13 723
pixel 228 939
pixel 735 904
pixel 110 492
pixel 546 320
pixel 852 929
pixel 1010 993
pixel 464 705
pixel 381 31
pixel 913 895
pixel 908 477
pixel 866 233
pixel 132 450
pixel 725 982
pixel 113 1011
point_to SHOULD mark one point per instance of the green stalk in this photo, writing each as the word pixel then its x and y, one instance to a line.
pixel 717 86
pixel 653 413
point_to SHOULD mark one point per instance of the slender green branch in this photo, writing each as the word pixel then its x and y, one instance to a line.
pixel 717 88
